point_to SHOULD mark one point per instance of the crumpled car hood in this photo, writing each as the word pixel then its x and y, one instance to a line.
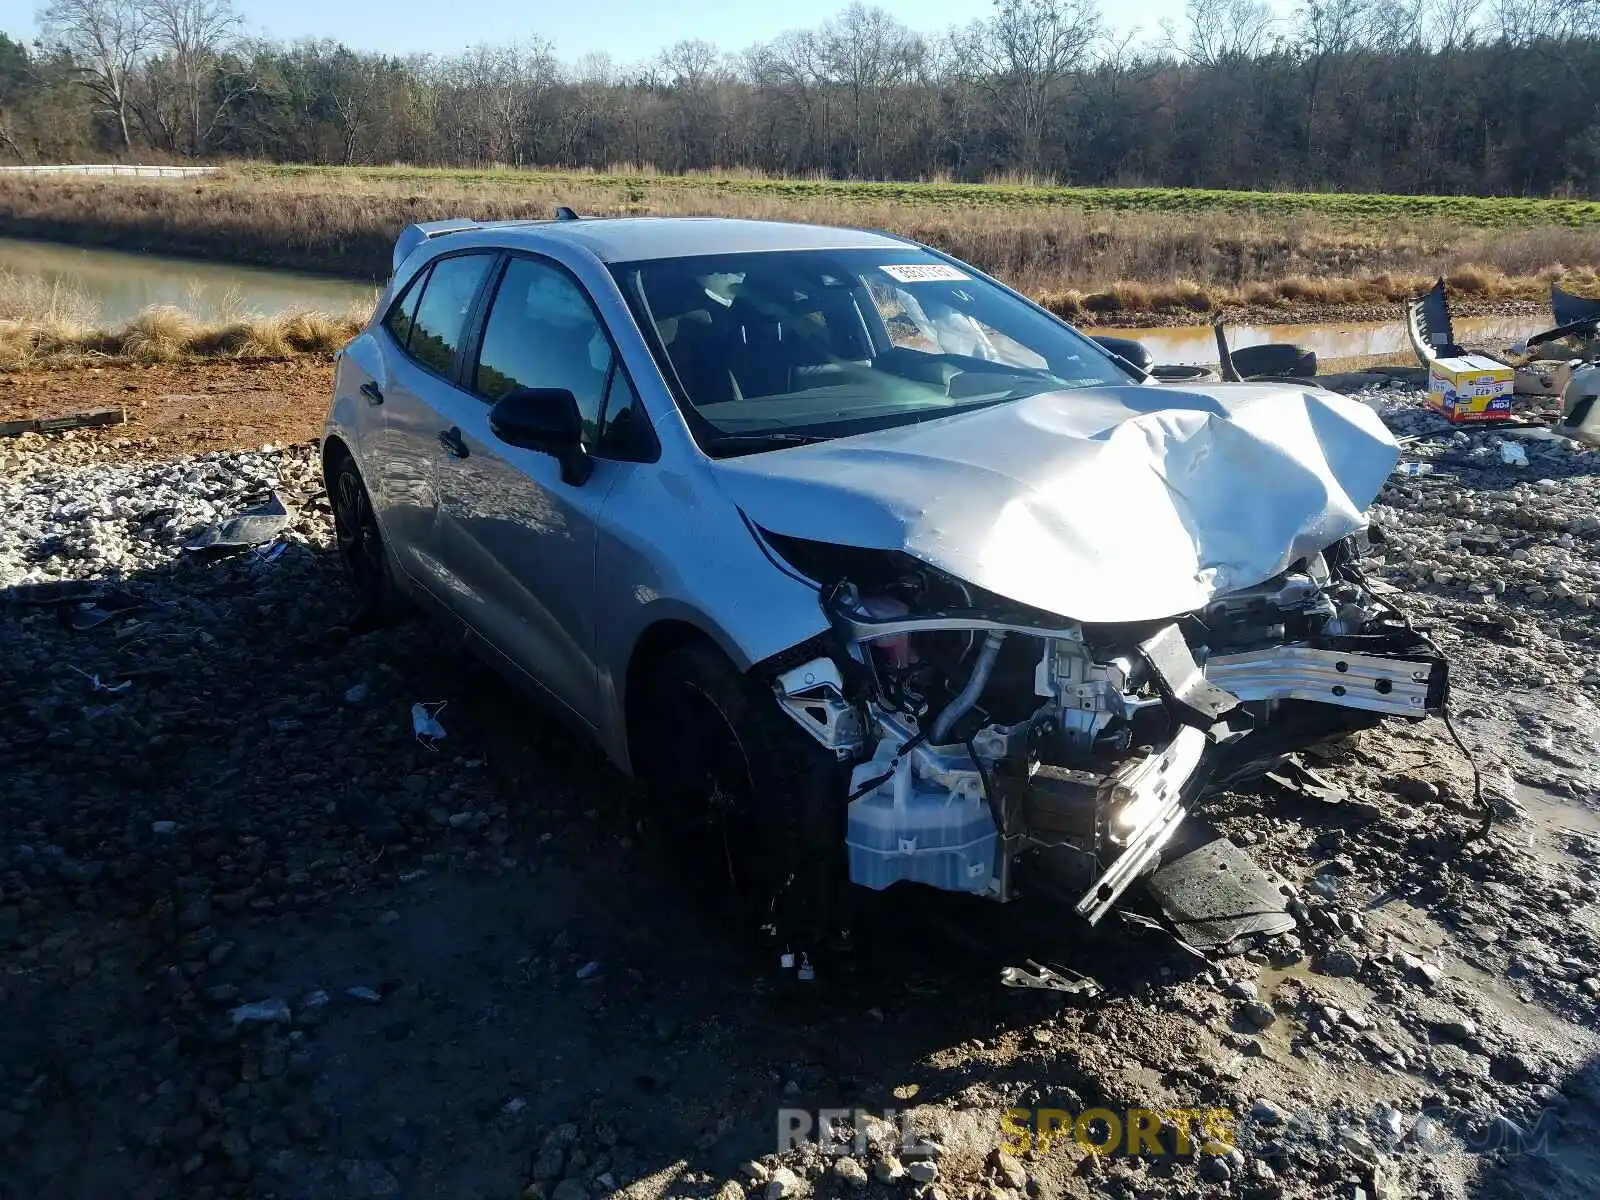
pixel 1106 504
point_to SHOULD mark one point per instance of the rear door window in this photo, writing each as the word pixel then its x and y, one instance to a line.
pixel 441 315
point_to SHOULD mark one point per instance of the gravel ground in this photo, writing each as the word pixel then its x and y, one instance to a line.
pixel 256 940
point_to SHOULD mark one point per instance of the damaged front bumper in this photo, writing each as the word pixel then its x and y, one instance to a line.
pixel 1391 685
pixel 1333 688
pixel 981 741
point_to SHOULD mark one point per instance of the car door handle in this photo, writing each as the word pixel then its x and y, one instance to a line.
pixel 452 441
pixel 372 392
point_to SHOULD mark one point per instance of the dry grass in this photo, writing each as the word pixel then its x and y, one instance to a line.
pixel 167 335
pixel 1093 264
pixel 1086 260
pixel 41 301
pixel 1300 293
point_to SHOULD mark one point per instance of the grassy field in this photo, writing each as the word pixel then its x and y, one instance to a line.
pixel 640 187
pixel 1097 255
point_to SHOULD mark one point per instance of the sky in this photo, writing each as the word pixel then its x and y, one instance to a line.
pixel 628 30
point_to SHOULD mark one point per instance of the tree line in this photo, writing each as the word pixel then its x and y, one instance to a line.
pixel 1430 96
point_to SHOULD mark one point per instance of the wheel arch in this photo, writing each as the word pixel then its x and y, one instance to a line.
pixel 653 646
pixel 333 451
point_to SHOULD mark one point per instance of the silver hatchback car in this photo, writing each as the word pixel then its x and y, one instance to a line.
pixel 871 569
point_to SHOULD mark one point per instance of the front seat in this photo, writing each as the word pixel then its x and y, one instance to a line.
pixel 699 354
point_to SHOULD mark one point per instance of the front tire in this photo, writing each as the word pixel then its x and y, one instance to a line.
pixel 753 809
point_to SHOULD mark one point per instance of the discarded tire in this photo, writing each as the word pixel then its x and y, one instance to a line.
pixel 1184 373
pixel 1277 358
pixel 1128 349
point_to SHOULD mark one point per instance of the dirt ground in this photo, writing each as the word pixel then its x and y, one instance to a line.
pixel 181 408
pixel 257 941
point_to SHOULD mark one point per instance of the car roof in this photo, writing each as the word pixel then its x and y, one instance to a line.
pixel 630 239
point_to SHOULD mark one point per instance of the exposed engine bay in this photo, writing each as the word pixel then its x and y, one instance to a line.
pixel 983 736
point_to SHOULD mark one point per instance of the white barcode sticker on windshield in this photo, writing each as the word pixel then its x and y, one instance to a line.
pixel 925 273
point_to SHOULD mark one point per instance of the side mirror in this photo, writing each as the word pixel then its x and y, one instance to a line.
pixel 546 420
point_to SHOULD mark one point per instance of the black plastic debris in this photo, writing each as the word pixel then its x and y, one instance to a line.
pixel 1216 894
pixel 1295 778
pixel 1569 309
pixel 251 528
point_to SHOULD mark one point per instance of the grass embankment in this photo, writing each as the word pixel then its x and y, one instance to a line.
pixel 46 325
pixel 1091 254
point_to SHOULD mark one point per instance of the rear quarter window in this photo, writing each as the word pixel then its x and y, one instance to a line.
pixel 402 314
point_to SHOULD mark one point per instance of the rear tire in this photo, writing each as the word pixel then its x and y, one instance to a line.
pixel 360 544
pixel 752 809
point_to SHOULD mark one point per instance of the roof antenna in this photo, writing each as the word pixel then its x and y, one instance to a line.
pixel 566 214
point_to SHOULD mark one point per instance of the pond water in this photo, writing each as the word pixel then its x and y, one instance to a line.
pixel 1337 339
pixel 119 284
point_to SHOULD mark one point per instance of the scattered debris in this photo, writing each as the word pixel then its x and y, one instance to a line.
pixel 1513 455
pixel 1295 777
pixel 425 724
pixel 261 1012
pixel 95 684
pixel 84 420
pixel 1047 979
pixel 254 527
pixel 1414 469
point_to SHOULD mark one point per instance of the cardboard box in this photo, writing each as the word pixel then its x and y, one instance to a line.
pixel 1471 388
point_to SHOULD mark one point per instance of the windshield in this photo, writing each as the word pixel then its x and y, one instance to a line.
pixel 790 346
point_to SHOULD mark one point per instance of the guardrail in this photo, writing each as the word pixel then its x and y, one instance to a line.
pixel 113 169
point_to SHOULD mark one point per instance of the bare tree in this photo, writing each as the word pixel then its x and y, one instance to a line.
pixel 108 38
pixel 1329 32
pixel 690 72
pixel 866 53
pixel 1523 22
pixel 507 83
pixel 1028 48
pixel 1397 25
pixel 1217 32
pixel 1453 24
pixel 192 35
pixel 790 75
pixel 351 87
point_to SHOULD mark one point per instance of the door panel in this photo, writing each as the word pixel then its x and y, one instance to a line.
pixel 514 538
pixel 518 547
